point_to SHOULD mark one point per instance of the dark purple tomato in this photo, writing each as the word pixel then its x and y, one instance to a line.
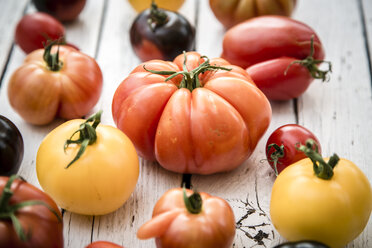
pixel 63 10
pixel 161 34
pixel 11 147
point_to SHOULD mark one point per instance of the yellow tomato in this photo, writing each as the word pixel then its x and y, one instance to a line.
pixel 333 211
pixel 97 183
pixel 140 5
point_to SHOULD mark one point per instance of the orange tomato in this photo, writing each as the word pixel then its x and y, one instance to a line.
pixel 140 5
pixel 40 93
pixel 174 226
pixel 199 126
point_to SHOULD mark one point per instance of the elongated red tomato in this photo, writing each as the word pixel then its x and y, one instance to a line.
pixel 280 54
pixel 47 86
pixel 196 123
pixel 103 244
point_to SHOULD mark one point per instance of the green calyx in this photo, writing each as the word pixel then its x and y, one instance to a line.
pixel 276 155
pixel 52 60
pixel 8 211
pixel 87 135
pixel 322 169
pixel 312 64
pixel 157 18
pixel 190 78
pixel 193 203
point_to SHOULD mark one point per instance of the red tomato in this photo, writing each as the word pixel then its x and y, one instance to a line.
pixel 183 219
pixel 63 10
pixel 103 244
pixel 69 90
pixel 281 146
pixel 268 47
pixel 34 30
pixel 40 226
pixel 187 127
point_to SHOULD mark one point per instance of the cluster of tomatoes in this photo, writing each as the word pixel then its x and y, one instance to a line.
pixel 191 114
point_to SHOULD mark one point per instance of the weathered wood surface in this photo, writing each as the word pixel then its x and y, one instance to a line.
pixel 338 112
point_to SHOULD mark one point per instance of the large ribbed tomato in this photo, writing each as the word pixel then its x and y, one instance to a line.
pixel 196 123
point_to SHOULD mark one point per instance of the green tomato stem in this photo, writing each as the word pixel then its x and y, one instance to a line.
pixel 322 169
pixel 276 155
pixel 158 17
pixel 52 60
pixel 87 135
pixel 311 64
pixel 190 78
pixel 193 203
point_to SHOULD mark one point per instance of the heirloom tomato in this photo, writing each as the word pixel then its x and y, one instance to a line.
pixel 280 54
pixel 140 5
pixel 36 29
pixel 63 10
pixel 11 147
pixel 161 34
pixel 103 244
pixel 88 168
pixel 302 244
pixel 182 218
pixel 326 200
pixel 233 12
pixel 281 146
pixel 29 218
pixel 202 119
pixel 64 84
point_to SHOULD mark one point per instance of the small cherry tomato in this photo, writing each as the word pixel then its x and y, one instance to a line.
pixel 55 82
pixel 33 31
pixel 103 244
pixel 87 167
pixel 183 218
pixel 161 34
pixel 281 146
pixel 230 13
pixel 29 218
pixel 11 147
pixel 63 10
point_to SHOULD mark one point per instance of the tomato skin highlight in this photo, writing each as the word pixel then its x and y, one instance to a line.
pixel 34 30
pixel 205 130
pixel 279 79
pixel 45 228
pixel 290 136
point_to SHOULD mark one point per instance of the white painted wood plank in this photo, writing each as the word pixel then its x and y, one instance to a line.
pixel 367 10
pixel 247 188
pixel 10 13
pixel 340 111
pixel 117 60
pixel 84 33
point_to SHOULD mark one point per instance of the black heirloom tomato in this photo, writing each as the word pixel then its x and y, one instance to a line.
pixel 302 244
pixel 63 10
pixel 11 147
pixel 161 34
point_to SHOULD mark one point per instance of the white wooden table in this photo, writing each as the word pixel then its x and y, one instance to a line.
pixel 338 112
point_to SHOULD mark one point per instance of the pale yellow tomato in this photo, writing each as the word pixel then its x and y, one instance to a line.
pixel 97 183
pixel 332 211
pixel 140 5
